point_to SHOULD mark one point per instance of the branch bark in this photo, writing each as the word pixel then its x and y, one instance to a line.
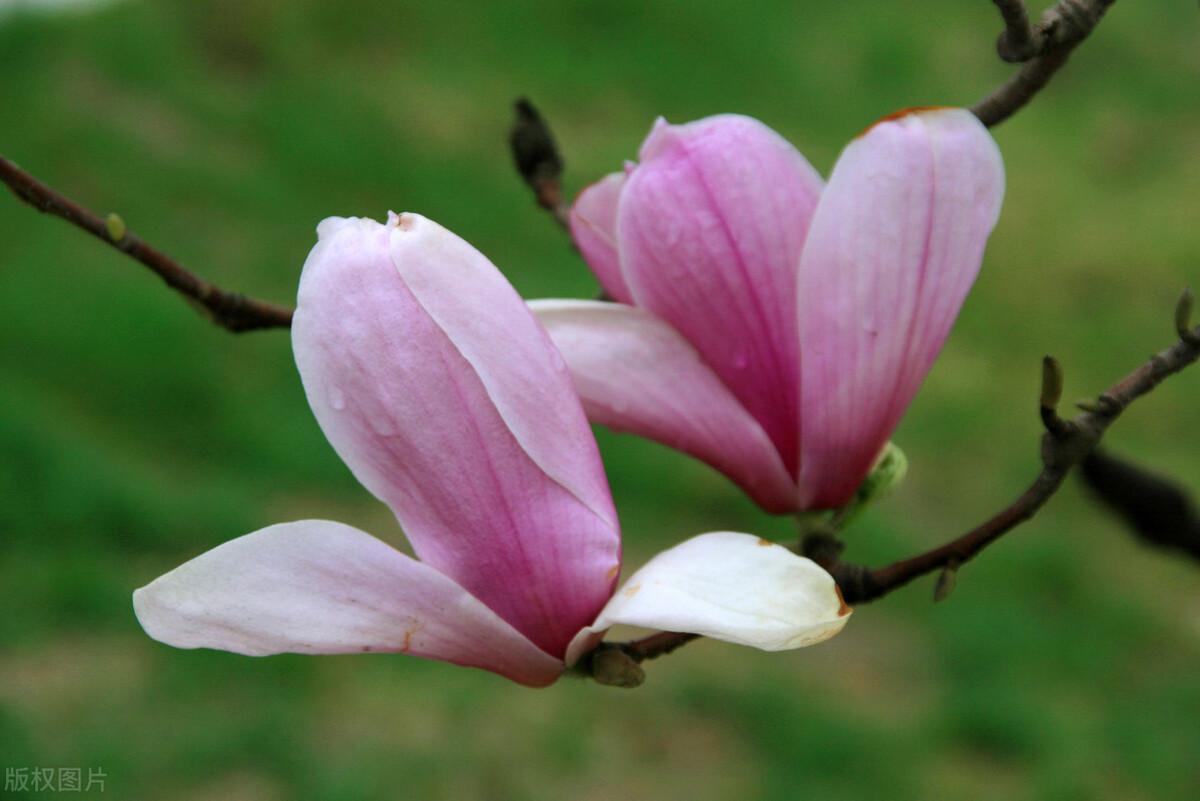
pixel 1042 50
pixel 1019 41
pixel 229 310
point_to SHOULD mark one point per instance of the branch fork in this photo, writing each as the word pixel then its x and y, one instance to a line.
pixel 1041 49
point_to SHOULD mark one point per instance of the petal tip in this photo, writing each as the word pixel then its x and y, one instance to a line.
pixel 153 617
pixel 660 138
pixel 404 221
pixel 331 225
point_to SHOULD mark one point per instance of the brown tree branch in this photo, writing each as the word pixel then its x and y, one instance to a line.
pixel 1019 41
pixel 1042 49
pixel 1065 444
pixel 228 309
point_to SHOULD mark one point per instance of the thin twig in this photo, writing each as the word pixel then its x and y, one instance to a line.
pixel 1044 49
pixel 1065 444
pixel 228 309
pixel 1018 42
pixel 656 645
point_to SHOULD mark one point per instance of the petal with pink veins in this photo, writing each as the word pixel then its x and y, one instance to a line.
pixel 594 229
pixel 710 228
pixel 444 396
pixel 637 374
pixel 317 587
pixel 894 247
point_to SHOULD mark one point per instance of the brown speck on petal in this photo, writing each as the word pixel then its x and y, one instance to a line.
pixel 764 543
pixel 408 635
pixel 631 590
pixel 895 115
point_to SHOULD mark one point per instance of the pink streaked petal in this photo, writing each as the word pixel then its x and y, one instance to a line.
pixel 635 373
pixel 317 587
pixel 710 228
pixel 525 376
pixel 446 399
pixel 732 587
pixel 896 243
pixel 593 227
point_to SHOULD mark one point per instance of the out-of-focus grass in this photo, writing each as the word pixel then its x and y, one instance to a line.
pixel 133 435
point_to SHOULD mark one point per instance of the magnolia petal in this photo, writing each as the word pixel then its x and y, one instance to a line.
pixel 318 587
pixel 733 587
pixel 635 373
pixel 446 399
pixel 524 375
pixel 594 229
pixel 710 228
pixel 894 247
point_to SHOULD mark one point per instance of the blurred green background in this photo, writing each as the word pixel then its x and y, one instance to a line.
pixel 134 435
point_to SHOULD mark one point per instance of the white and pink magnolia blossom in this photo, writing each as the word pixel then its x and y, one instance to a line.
pixel 446 399
pixel 768 323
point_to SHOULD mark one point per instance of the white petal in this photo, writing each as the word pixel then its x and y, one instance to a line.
pixel 733 587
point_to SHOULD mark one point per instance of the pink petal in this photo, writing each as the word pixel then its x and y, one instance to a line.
pixel 635 373
pixel 317 587
pixel 593 226
pixel 446 399
pixel 710 229
pixel 895 245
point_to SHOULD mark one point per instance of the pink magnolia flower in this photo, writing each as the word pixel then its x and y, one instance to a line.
pixel 447 400
pixel 769 324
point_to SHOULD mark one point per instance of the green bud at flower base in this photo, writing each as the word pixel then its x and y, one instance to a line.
pixel 890 469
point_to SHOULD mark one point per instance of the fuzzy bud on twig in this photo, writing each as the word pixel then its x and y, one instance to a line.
pixel 1183 317
pixel 115 227
pixel 536 156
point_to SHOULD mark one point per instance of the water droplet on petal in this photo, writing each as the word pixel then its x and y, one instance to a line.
pixel 337 399
pixel 382 425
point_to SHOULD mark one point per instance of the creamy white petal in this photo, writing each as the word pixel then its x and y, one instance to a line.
pixel 733 587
